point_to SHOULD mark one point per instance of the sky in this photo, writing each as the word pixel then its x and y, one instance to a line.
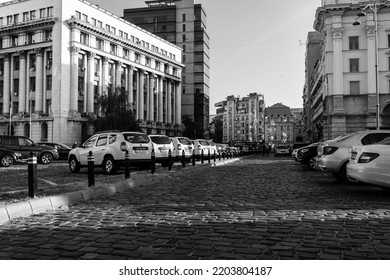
pixel 255 46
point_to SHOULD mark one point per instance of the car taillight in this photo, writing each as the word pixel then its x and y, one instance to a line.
pixel 367 157
pixel 328 150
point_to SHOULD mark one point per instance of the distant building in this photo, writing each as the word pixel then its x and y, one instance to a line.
pixel 279 124
pixel 183 23
pixel 57 57
pixel 298 125
pixel 243 119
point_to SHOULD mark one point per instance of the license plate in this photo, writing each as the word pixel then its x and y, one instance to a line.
pixel 140 150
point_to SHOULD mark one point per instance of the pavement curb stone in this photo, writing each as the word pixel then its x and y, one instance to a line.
pixel 62 201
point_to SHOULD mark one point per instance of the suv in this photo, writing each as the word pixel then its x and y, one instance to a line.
pixel 24 146
pixel 162 145
pixel 201 145
pixel 181 144
pixel 108 149
pixel 281 150
pixel 333 155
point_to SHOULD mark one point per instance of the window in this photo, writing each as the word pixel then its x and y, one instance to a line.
pixel 47 34
pixel 354 43
pixel 49 82
pixel 354 87
pixel 113 49
pixel 83 38
pixel 354 65
pixel 32 15
pixel 16 18
pixel 85 17
pixel 50 11
pixel 102 141
pixel 184 37
pixel 125 53
pixel 9 20
pixel 184 28
pixel 108 27
pixel 42 13
pixel 100 44
pixel 78 15
pixel 113 30
pixel 14 40
pixel 184 17
pixel 100 24
pixel 93 21
pixel 26 17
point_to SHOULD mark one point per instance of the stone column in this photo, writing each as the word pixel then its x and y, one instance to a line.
pixel 141 94
pixel 74 79
pixel 160 94
pixel 39 82
pixel 130 84
pixel 118 74
pixel 22 81
pixel 6 84
pixel 90 82
pixel 337 60
pixel 169 100
pixel 178 104
pixel 166 100
pixel 105 74
pixel 151 97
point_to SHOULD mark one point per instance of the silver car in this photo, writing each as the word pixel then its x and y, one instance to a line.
pixel 333 155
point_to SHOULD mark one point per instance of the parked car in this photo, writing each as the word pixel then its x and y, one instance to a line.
pixel 9 157
pixel 201 145
pixel 162 145
pixel 333 155
pixel 24 146
pixel 294 149
pixel 213 147
pixel 307 155
pixel 371 164
pixel 281 150
pixel 109 149
pixel 181 144
pixel 221 147
pixel 63 150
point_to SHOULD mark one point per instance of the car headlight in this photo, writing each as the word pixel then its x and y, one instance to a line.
pixel 18 154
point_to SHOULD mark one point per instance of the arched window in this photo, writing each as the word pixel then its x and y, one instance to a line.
pixel 44 132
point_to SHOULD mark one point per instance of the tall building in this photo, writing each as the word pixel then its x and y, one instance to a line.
pixel 183 23
pixel 57 57
pixel 348 80
pixel 243 119
pixel 279 124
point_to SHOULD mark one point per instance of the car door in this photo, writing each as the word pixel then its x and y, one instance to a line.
pixel 100 147
pixel 88 146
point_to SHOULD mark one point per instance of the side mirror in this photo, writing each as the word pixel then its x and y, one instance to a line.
pixel 74 145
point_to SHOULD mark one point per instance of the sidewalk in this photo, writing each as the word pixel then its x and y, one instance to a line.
pixel 63 200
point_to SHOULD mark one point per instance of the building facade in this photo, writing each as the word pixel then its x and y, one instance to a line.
pixel 279 124
pixel 57 57
pixel 183 23
pixel 349 86
pixel 243 119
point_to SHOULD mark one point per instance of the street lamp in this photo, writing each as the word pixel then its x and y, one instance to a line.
pixel 374 8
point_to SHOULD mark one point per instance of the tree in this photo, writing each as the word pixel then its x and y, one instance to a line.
pixel 117 112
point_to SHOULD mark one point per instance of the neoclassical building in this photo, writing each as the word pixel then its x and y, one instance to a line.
pixel 58 56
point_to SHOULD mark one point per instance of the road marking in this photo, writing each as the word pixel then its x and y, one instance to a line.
pixel 49 182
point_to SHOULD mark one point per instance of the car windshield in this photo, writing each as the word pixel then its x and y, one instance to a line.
pixel 160 139
pixel 136 138
pixel 184 141
pixel 385 141
pixel 204 143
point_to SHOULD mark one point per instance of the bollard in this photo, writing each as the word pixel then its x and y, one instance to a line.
pixel 153 162
pixel 201 157
pixel 169 160
pixel 215 156
pixel 223 155
pixel 91 170
pixel 193 157
pixel 32 174
pixel 219 155
pixel 127 165
pixel 183 159
pixel 209 156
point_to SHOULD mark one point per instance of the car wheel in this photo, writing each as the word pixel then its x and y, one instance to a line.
pixel 74 165
pixel 312 163
pixel 46 158
pixel 6 161
pixel 343 174
pixel 109 165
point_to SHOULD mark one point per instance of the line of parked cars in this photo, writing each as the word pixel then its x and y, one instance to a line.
pixel 362 156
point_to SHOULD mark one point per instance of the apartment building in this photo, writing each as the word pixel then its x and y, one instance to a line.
pixel 243 119
pixel 279 124
pixel 57 57
pixel 182 22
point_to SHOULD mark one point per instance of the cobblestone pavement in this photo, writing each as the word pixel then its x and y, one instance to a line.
pixel 260 208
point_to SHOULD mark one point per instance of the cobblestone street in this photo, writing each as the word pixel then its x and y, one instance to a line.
pixel 257 208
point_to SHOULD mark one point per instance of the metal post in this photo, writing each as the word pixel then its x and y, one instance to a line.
pixel 193 157
pixel 127 165
pixel 170 160
pixel 91 170
pixel 183 159
pixel 215 156
pixel 153 162
pixel 32 174
pixel 209 156
pixel 201 157
pixel 223 155
pixel 219 155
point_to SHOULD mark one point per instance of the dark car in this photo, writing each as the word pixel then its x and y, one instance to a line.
pixel 9 157
pixel 25 146
pixel 63 150
pixel 307 155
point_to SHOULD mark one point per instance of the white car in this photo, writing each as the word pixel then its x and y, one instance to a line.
pixel 213 148
pixel 181 144
pixel 333 155
pixel 201 145
pixel 371 164
pixel 282 150
pixel 162 145
pixel 109 149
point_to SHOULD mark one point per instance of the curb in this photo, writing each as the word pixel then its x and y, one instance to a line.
pixel 62 201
